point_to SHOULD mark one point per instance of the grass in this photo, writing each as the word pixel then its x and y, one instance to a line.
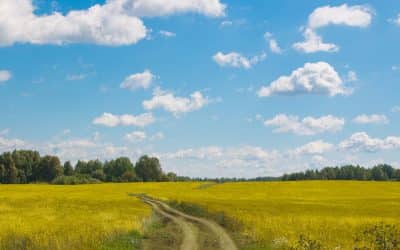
pixel 275 215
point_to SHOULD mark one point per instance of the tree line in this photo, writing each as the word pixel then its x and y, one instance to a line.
pixel 26 166
pixel 382 172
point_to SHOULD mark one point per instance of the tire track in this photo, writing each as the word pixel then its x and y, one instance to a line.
pixel 189 241
pixel 225 241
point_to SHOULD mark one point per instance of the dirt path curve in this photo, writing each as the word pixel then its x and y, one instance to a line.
pixel 189 241
pixel 225 241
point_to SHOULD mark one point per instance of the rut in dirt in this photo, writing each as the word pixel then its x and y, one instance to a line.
pixel 189 226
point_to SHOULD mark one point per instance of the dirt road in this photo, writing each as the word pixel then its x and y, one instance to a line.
pixel 191 225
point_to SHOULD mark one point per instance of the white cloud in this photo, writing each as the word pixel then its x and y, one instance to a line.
pixel 237 161
pixel 210 152
pixel 352 16
pixel 307 126
pixel 313 78
pixel 236 60
pixel 138 80
pixel 83 149
pixel 174 104
pixel 153 8
pixel 362 142
pixel 371 119
pixel 273 44
pixel 135 136
pixel 166 33
pixel 5 76
pixel 313 148
pixel 314 43
pixel 106 24
pixel 110 120
pixel 114 23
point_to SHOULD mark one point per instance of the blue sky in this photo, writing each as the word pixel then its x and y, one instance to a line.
pixel 212 87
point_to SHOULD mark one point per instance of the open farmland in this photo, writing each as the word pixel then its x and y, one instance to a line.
pixel 273 214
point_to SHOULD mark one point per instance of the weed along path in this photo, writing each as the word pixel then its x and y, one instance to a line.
pixel 192 226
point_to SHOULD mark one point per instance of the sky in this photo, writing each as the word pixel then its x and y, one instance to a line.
pixel 214 88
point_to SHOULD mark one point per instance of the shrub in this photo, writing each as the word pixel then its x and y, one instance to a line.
pixel 74 180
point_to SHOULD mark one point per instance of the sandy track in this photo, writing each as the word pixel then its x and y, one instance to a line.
pixel 225 241
pixel 189 241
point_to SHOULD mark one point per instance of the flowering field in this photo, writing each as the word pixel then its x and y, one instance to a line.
pixel 273 214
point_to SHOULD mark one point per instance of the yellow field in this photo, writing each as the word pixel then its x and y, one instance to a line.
pixel 66 217
pixel 84 217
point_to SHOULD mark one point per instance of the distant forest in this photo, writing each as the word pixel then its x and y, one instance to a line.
pixel 26 166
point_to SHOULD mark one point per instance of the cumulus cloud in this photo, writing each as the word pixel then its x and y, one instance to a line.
pixel 106 24
pixel 174 104
pixel 371 119
pixel 217 153
pixel 135 136
pixel 362 142
pixel 154 8
pixel 314 43
pixel 5 76
pixel 138 80
pixel 313 148
pixel 236 60
pixel 84 149
pixel 307 126
pixel 111 120
pixel 117 22
pixel 273 44
pixel 313 78
pixel 351 16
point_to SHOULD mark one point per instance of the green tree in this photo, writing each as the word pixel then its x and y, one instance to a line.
pixel 114 169
pixel 2 173
pixel 50 168
pixel 148 169
pixel 12 174
pixel 129 176
pixel 378 174
pixel 172 176
pixel 68 169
